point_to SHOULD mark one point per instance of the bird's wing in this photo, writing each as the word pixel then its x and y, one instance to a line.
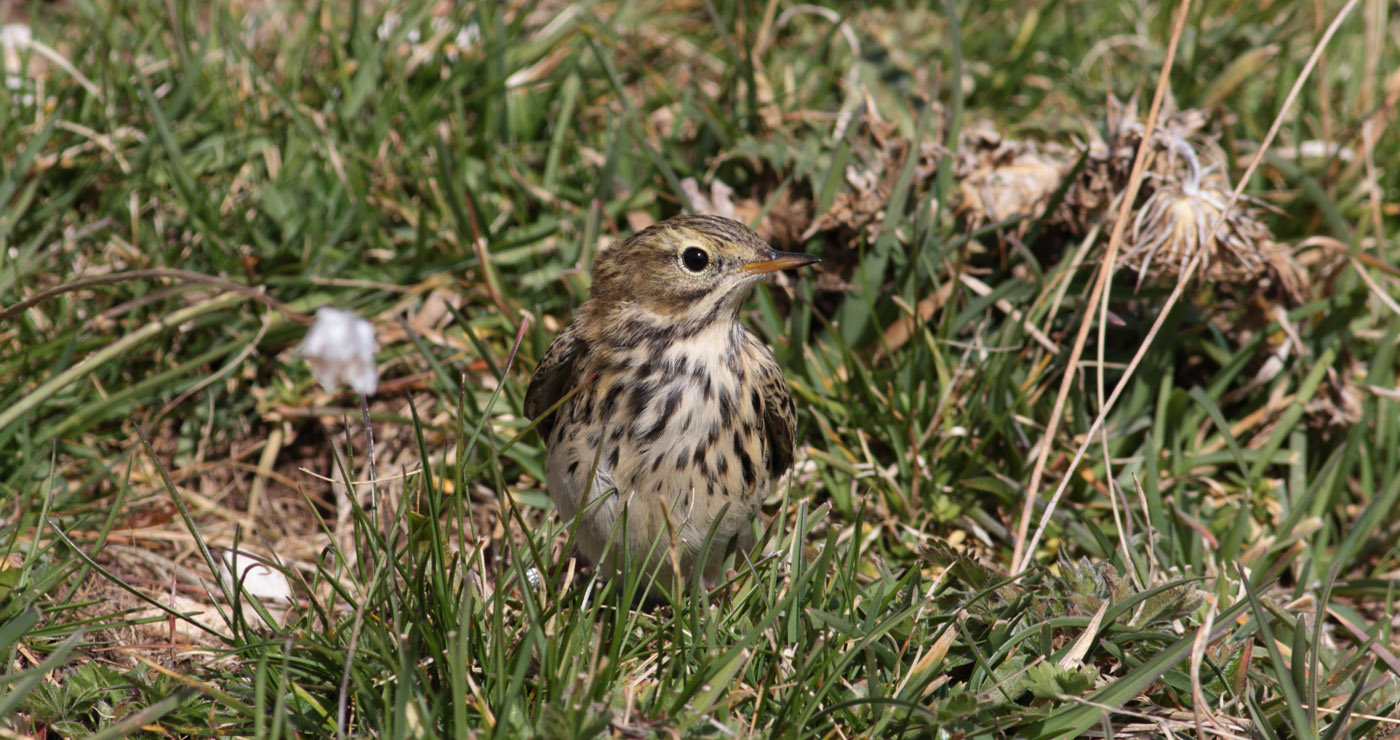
pixel 554 377
pixel 779 416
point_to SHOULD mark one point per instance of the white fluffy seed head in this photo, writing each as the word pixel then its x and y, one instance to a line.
pixel 340 349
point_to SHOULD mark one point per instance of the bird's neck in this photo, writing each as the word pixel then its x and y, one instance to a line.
pixel 623 325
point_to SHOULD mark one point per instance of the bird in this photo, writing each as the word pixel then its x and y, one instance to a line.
pixel 663 418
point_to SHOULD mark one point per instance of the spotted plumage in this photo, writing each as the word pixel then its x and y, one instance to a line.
pixel 680 421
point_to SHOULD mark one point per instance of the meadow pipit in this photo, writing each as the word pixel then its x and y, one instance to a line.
pixel 682 422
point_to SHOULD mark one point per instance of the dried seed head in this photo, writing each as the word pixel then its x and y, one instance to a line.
pixel 1175 225
pixel 1003 178
pixel 1109 161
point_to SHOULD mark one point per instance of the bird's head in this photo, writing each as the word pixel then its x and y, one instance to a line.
pixel 686 269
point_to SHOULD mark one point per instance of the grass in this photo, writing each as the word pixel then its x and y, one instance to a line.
pixel 1221 562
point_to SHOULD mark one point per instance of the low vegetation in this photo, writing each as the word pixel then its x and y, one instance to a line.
pixel 1097 380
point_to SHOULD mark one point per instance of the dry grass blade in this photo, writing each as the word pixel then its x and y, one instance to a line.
pixel 1293 93
pixel 136 276
pixel 982 289
pixel 1375 288
pixel 1023 551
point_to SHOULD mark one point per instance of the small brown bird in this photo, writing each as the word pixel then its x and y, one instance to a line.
pixel 682 421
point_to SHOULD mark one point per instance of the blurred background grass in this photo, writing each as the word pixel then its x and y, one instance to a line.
pixel 182 184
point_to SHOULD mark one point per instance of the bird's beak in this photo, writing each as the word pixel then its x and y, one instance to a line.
pixel 779 261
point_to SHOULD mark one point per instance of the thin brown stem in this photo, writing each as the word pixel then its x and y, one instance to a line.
pixel 1023 552
pixel 1186 275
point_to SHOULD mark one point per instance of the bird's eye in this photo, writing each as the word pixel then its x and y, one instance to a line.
pixel 695 259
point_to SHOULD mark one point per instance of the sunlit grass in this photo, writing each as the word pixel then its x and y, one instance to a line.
pixel 1222 561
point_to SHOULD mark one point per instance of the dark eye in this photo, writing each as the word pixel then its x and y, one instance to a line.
pixel 695 259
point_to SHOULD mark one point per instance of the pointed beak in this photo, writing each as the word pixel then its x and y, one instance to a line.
pixel 776 261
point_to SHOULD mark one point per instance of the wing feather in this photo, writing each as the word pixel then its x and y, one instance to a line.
pixel 554 377
pixel 779 415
